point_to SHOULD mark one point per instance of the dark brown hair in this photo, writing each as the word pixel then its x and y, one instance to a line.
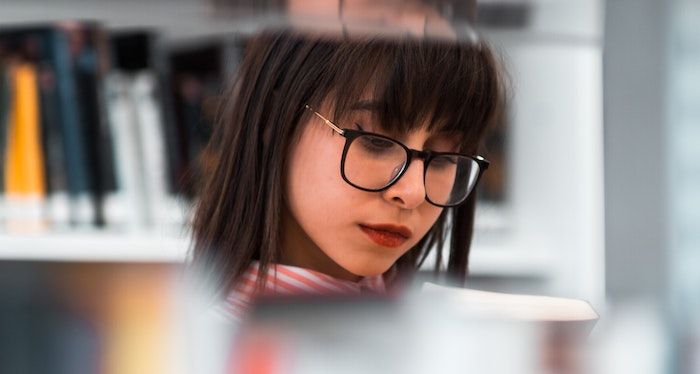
pixel 452 86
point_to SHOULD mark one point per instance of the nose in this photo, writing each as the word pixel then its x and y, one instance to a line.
pixel 409 191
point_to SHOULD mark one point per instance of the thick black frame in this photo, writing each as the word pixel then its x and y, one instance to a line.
pixel 427 156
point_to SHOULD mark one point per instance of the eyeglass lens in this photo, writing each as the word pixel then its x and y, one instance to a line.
pixel 373 163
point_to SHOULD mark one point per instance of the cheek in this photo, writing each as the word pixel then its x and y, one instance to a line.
pixel 429 214
pixel 314 186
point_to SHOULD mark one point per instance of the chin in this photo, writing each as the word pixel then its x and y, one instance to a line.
pixel 369 268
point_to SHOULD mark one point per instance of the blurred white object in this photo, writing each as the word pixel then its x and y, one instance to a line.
pixel 633 340
pixel 420 333
pixel 519 307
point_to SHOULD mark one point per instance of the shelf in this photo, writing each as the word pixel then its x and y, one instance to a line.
pixel 119 247
pixel 97 247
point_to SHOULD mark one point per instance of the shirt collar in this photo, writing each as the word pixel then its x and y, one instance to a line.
pixel 294 280
pixel 291 279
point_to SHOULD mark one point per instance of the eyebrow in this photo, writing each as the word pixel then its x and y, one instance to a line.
pixel 371 105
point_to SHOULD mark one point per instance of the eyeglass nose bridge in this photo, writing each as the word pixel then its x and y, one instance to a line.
pixel 412 155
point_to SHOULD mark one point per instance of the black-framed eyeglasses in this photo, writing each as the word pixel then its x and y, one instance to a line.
pixel 374 162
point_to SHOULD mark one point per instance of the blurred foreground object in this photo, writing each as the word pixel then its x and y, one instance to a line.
pixel 386 17
pixel 518 307
pixel 146 318
pixel 87 318
pixel 424 332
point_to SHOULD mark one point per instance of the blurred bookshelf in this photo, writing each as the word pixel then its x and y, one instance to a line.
pixel 542 220
pixel 98 156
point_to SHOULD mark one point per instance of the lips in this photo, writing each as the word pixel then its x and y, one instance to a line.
pixel 387 235
pixel 394 229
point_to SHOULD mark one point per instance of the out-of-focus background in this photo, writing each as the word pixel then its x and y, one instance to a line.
pixel 594 190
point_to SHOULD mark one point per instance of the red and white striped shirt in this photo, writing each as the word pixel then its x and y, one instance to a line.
pixel 293 280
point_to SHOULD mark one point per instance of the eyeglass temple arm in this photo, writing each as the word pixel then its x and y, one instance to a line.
pixel 328 122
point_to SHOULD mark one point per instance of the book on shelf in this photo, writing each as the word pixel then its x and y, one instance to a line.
pixel 143 198
pixel 24 170
pixel 134 103
pixel 195 78
pixel 5 95
pixel 162 204
pixel 127 206
pixel 57 202
pixel 75 147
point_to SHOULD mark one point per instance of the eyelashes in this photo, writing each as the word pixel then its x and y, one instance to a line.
pixel 449 148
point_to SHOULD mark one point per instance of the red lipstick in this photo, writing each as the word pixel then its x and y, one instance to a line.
pixel 387 235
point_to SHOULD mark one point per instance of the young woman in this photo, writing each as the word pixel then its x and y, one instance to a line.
pixel 339 163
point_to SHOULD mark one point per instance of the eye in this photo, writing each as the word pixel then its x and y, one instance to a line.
pixel 374 144
pixel 442 162
pixel 444 145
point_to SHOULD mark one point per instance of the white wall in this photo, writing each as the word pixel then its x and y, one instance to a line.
pixel 556 210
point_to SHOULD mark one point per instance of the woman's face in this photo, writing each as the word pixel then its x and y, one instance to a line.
pixel 325 225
